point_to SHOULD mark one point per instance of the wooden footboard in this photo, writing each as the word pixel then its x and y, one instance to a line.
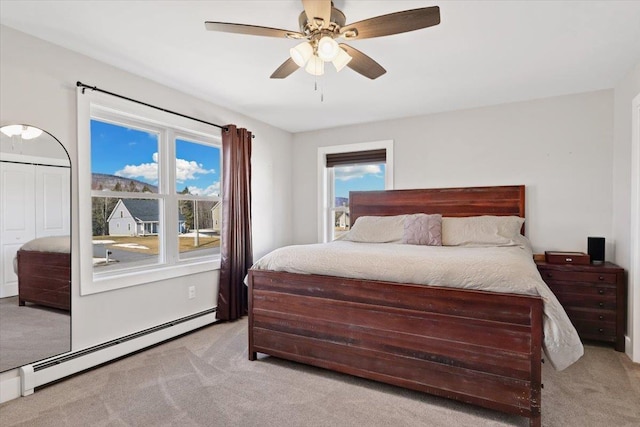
pixel 44 278
pixel 477 347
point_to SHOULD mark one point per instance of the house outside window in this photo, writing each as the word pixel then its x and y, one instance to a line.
pixel 151 187
pixel 345 168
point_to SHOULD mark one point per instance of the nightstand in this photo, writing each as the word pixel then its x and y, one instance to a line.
pixel 594 297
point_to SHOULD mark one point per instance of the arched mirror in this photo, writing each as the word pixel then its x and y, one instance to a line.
pixel 35 255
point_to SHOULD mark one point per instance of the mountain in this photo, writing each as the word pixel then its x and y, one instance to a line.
pixel 102 181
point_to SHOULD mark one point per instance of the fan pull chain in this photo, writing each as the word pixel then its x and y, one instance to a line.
pixel 315 88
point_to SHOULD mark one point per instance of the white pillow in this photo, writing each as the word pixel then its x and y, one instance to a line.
pixel 481 231
pixel 376 229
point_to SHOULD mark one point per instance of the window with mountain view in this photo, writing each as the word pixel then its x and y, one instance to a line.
pixel 154 195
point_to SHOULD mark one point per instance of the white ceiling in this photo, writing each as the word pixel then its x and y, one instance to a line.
pixel 482 53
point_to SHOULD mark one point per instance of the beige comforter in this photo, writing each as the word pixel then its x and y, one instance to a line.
pixel 499 269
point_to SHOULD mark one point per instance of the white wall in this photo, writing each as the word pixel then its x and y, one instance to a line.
pixel 37 86
pixel 561 148
pixel 625 91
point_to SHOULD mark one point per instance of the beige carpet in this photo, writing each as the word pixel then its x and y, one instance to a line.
pixel 205 379
pixel 31 333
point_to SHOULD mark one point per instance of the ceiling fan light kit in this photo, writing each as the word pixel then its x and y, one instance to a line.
pixel 321 24
pixel 315 66
pixel 314 58
pixel 341 60
pixel 301 53
pixel 327 49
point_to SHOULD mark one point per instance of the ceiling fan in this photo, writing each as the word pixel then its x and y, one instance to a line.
pixel 321 24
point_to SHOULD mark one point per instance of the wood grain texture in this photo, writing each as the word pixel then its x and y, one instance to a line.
pixel 454 343
pixel 456 202
pixel 393 23
pixel 44 278
pixel 594 297
pixel 478 347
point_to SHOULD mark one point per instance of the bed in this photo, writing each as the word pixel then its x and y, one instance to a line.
pixel 475 346
pixel 43 266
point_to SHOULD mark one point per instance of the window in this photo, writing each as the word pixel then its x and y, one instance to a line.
pixel 149 195
pixel 345 168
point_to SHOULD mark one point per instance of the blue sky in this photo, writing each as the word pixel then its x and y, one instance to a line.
pixel 358 178
pixel 131 153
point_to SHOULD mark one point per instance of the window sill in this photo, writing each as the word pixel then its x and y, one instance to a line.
pixel 127 279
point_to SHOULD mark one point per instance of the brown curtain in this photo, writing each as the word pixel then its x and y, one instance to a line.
pixel 236 251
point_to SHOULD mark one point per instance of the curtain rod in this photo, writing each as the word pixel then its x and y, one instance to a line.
pixel 84 87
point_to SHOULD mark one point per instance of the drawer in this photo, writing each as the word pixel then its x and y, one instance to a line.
pixel 578 276
pixel 595 302
pixel 583 289
pixel 594 330
pixel 580 313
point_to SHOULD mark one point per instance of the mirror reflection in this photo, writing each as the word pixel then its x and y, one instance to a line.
pixel 35 255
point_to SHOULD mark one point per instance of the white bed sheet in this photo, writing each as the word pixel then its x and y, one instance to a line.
pixel 507 269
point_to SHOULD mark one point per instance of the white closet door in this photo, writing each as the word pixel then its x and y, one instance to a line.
pixel 52 201
pixel 17 216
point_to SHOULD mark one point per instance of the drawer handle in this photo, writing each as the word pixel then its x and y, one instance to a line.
pixel 549 275
pixel 601 317
pixel 601 304
pixel 601 291
pixel 601 330
pixel 601 278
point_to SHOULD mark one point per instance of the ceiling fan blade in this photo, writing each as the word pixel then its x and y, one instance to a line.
pixel 287 68
pixel 393 23
pixel 361 63
pixel 318 9
pixel 252 30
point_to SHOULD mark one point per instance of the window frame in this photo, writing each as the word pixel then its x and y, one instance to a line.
pixel 326 180
pixel 171 127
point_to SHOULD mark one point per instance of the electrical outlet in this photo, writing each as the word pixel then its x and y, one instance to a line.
pixel 192 292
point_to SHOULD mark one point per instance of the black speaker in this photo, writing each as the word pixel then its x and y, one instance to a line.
pixel 595 248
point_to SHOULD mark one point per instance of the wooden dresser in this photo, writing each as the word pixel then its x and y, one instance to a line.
pixel 594 297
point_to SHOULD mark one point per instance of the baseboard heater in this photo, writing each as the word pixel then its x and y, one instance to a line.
pixel 53 369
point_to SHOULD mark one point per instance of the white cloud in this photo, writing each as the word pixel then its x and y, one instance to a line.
pixel 185 170
pixel 345 173
pixel 147 171
pixel 212 190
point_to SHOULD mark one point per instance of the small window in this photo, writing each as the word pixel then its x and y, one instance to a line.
pixel 357 167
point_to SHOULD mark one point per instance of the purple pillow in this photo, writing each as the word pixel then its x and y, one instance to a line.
pixel 423 229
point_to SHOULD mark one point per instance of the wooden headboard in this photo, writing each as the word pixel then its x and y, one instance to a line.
pixel 469 201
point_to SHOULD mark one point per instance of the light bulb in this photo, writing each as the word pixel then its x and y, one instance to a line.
pixel 315 66
pixel 29 132
pixel 301 53
pixel 11 130
pixel 341 60
pixel 327 49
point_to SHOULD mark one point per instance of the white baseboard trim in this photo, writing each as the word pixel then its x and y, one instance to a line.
pixel 628 349
pixel 9 385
